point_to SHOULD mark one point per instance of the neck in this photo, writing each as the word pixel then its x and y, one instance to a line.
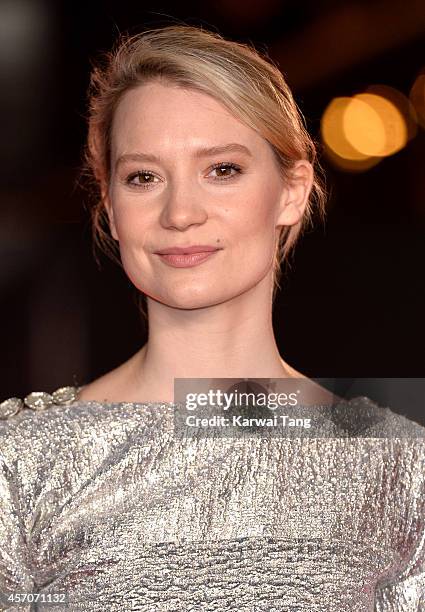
pixel 234 339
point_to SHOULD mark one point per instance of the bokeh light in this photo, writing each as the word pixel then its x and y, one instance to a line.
pixel 360 130
pixel 417 98
pixel 374 125
pixel 332 130
pixel 363 127
pixel 401 102
pixel 350 165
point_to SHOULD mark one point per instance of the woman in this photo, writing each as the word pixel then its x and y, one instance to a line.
pixel 197 145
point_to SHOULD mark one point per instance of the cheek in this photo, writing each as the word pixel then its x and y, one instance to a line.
pixel 131 224
pixel 254 219
pixel 132 230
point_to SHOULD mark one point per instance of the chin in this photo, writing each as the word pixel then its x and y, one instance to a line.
pixel 189 300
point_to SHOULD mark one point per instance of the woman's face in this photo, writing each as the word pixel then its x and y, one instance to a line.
pixel 176 198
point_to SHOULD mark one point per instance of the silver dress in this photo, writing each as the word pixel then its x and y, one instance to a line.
pixel 103 502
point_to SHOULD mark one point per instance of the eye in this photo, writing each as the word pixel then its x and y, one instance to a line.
pixel 226 166
pixel 137 179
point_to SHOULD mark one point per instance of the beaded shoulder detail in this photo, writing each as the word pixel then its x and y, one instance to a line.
pixel 38 400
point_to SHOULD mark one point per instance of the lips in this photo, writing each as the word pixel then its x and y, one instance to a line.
pixel 188 260
pixel 198 248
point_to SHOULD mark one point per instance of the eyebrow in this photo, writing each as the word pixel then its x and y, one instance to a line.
pixel 231 147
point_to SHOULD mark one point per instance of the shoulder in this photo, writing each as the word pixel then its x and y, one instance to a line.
pixel 44 424
pixel 24 420
pixel 363 417
pixel 57 431
pixel 31 435
pixel 41 424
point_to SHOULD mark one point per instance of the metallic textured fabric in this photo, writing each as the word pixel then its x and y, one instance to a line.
pixel 105 502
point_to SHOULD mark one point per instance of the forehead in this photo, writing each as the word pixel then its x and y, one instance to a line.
pixel 160 116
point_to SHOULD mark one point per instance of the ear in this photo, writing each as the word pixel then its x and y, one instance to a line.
pixel 295 194
pixel 110 212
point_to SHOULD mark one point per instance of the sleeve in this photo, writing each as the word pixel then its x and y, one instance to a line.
pixel 15 576
pixel 406 594
pixel 406 591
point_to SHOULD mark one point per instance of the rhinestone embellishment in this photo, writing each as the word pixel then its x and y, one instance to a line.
pixel 65 395
pixel 38 400
pixel 10 407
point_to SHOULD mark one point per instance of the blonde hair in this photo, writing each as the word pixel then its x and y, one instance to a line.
pixel 237 75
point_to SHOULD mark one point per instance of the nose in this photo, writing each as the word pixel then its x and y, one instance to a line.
pixel 183 207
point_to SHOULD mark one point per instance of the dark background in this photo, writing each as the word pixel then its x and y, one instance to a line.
pixel 354 303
